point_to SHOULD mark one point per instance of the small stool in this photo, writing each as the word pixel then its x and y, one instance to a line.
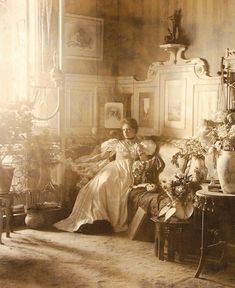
pixel 175 234
pixel 6 207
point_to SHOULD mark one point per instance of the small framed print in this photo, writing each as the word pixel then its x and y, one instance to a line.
pixel 175 99
pixel 77 100
pixel 146 112
pixel 83 37
pixel 113 115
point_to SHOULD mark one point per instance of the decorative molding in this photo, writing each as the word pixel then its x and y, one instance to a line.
pixel 200 66
pixel 176 52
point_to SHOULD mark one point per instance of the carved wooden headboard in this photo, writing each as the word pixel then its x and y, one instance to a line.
pixel 176 95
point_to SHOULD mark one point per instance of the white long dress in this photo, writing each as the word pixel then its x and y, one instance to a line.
pixel 104 197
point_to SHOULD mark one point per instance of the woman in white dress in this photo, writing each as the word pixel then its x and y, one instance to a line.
pixel 105 196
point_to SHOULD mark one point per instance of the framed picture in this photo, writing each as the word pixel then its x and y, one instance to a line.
pixel 113 113
pixel 145 109
pixel 83 37
pixel 146 106
pixel 175 103
pixel 78 116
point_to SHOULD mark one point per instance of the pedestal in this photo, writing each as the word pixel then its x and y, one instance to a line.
pixel 176 52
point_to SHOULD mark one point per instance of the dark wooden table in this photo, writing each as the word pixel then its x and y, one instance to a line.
pixel 220 205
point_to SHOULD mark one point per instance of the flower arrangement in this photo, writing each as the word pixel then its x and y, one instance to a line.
pixel 222 134
pixel 188 149
pixel 180 192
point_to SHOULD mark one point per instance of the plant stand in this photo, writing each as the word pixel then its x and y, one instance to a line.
pixel 175 234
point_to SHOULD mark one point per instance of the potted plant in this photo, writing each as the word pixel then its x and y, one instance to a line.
pixel 15 123
pixel 191 155
pixel 222 143
pixel 28 156
pixel 180 197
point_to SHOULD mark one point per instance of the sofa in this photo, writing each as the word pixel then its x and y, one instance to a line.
pixel 149 201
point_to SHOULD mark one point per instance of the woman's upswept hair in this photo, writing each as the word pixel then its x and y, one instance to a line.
pixel 131 122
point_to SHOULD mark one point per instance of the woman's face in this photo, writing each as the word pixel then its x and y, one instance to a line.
pixel 128 131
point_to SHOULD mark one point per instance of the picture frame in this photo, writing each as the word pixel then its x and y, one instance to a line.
pixel 83 37
pixel 175 107
pixel 78 116
pixel 146 109
pixel 113 115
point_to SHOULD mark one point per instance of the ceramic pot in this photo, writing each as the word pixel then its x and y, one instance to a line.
pixel 200 170
pixel 226 171
pixel 34 218
pixel 6 175
pixel 183 212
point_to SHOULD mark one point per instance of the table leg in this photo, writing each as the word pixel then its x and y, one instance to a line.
pixel 171 246
pixel 203 248
pixel 160 242
pixel 156 241
pixel 8 220
pixel 1 222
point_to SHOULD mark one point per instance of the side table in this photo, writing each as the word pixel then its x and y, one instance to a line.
pixel 211 202
pixel 175 233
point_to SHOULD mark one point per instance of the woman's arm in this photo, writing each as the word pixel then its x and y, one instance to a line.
pixel 94 158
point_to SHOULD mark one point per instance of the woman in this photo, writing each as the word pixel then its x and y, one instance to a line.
pixel 104 197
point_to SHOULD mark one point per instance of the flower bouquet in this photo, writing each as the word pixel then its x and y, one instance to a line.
pixel 222 147
pixel 180 196
pixel 222 134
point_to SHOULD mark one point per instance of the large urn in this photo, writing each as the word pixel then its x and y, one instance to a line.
pixel 34 218
pixel 226 171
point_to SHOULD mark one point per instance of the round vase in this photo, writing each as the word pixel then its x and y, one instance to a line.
pixel 34 218
pixel 226 171
pixel 183 212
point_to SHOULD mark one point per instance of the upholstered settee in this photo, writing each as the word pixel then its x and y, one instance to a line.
pixel 151 202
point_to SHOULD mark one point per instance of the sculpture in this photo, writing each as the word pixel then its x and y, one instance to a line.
pixel 174 33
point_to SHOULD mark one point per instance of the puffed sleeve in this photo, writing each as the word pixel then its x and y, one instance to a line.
pixel 109 145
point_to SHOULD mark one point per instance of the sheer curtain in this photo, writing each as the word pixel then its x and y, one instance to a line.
pixel 13 51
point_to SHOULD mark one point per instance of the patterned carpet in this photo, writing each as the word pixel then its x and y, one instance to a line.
pixel 32 259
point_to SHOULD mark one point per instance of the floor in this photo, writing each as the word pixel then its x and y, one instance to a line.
pixel 50 258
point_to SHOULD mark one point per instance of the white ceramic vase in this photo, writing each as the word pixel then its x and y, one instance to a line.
pixel 183 212
pixel 226 171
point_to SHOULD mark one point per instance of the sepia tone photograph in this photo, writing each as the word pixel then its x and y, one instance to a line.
pixel 117 143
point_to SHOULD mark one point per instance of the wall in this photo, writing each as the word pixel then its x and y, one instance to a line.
pixel 134 30
pixel 106 9
pixel 208 24
pixel 133 44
